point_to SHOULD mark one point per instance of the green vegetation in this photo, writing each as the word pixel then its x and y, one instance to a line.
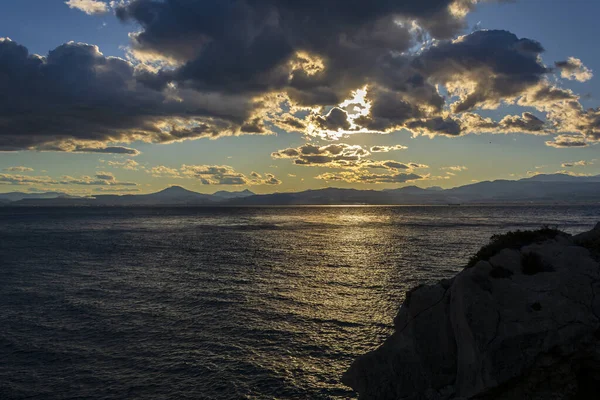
pixel 513 240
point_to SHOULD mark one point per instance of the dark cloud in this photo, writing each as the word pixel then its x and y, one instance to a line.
pixel 76 99
pixel 214 67
pixel 391 165
pixel 390 110
pixel 525 123
pixel 479 70
pixel 290 123
pixel 318 52
pixel 395 165
pixel 253 45
pixel 436 125
pixel 105 176
pixel 494 65
pixel 255 126
pixel 335 120
pixel 385 149
pixel 107 150
pixel 474 123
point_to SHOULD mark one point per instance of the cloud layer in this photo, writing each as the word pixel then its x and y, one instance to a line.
pixel 100 179
pixel 352 158
pixel 76 99
pixel 226 175
pixel 211 68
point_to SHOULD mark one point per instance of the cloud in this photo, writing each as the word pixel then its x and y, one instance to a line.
pixel 385 149
pixel 311 50
pixel 337 155
pixel 127 164
pixel 391 110
pixel 100 179
pixel 468 123
pixel 26 180
pixel 573 69
pixel 566 141
pixel 368 178
pixel 226 175
pixel 527 122
pixel 455 168
pixel 84 146
pixel 270 179
pixel 103 150
pixel 89 7
pixel 323 59
pixel 484 67
pixel 76 99
pixel 573 173
pixel 289 123
pixel 581 163
pixel 436 126
pixel 335 120
pixel 352 158
pixel 206 69
pixel 341 155
pixel 392 165
pixel 19 169
pixel 162 171
pixel 106 176
pixel 587 122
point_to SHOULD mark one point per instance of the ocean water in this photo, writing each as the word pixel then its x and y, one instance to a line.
pixel 221 303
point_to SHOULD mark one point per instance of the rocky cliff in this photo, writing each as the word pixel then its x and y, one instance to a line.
pixel 523 322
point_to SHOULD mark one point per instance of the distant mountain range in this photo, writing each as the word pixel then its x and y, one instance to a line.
pixel 547 189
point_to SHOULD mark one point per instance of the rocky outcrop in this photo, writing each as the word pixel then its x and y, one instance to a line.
pixel 523 324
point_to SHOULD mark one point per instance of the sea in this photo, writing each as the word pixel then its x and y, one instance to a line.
pixel 222 303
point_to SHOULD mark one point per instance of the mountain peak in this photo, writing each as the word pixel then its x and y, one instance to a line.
pixel 175 189
pixel 176 192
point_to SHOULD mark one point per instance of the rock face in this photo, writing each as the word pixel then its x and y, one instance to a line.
pixel 524 324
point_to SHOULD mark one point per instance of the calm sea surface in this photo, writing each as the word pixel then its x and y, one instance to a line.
pixel 221 303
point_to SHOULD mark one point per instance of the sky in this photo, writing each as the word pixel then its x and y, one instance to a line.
pixel 280 95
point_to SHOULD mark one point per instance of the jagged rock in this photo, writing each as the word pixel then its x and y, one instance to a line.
pixel 524 324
